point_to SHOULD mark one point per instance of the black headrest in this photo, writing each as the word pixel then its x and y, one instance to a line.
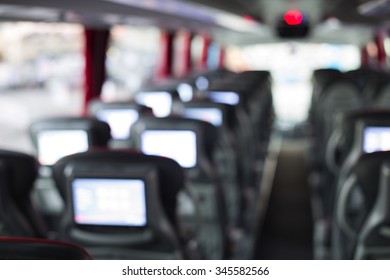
pixel 255 74
pixel 12 248
pixel 207 133
pixel 216 74
pixel 242 88
pixel 373 116
pixel 99 132
pixel 324 71
pixel 253 78
pixel 368 77
pixel 365 114
pixel 346 125
pixel 381 87
pixel 363 72
pixel 170 173
pixel 21 170
pixel 322 76
pixel 338 80
pixel 368 171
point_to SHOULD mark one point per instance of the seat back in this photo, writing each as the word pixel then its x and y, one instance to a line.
pixel 120 205
pixel 18 216
pixel 354 133
pixel 364 132
pixel 359 132
pixel 373 239
pixel 57 137
pixel 226 157
pixel 361 212
pixel 192 144
pixel 53 139
pixel 339 96
pixel 224 93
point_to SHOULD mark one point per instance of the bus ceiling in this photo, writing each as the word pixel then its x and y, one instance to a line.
pixel 235 22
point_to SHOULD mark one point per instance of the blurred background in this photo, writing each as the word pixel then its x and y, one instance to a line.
pixel 42 64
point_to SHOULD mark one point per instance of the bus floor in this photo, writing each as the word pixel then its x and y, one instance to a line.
pixel 287 229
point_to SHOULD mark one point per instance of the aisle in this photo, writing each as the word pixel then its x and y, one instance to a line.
pixel 287 229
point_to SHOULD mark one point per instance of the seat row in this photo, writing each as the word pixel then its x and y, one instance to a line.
pixel 349 175
pixel 134 201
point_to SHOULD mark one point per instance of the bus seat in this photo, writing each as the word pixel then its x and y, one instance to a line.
pixel 340 95
pixel 358 224
pixel 347 132
pixel 348 142
pixel 19 217
pixel 373 240
pixel 192 144
pixel 226 158
pixel 51 136
pixel 12 248
pixel 365 132
pixel 320 78
pixel 54 138
pixel 121 204
pixel 224 93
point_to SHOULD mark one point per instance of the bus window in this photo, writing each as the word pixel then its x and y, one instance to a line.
pixel 291 66
pixel 41 70
pixel 130 62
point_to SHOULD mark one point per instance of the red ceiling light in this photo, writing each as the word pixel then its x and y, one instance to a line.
pixel 293 17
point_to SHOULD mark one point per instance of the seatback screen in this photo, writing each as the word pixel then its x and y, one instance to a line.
pixel 160 102
pixel 376 139
pixel 56 144
pixel 229 97
pixel 210 115
pixel 109 202
pixel 120 121
pixel 179 145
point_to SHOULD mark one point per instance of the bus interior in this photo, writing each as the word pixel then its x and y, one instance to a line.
pixel 193 129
